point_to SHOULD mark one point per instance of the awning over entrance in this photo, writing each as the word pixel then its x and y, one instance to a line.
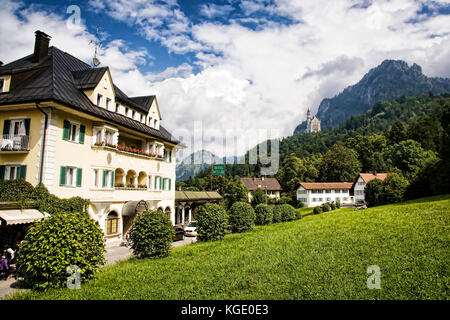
pixel 17 216
pixel 131 208
pixel 181 196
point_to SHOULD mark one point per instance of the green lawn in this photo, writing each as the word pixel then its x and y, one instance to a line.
pixel 319 257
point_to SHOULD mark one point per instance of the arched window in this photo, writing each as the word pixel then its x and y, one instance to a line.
pixel 112 223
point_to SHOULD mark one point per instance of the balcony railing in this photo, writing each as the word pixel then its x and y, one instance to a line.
pixel 128 150
pixel 15 143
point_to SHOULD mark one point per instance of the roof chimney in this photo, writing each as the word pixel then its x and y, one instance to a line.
pixel 41 46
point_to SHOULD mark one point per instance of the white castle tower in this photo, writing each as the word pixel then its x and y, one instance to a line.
pixel 312 125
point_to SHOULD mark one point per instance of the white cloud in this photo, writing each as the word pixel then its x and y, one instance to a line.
pixel 264 78
pixel 212 10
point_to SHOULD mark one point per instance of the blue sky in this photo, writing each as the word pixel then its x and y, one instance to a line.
pixel 233 66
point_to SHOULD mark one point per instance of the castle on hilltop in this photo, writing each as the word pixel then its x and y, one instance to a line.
pixel 312 125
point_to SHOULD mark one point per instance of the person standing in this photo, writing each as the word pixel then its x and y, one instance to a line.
pixel 4 266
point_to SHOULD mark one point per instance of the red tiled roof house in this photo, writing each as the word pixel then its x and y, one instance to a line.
pixel 270 186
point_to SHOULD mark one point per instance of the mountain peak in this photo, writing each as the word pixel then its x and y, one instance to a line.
pixel 389 80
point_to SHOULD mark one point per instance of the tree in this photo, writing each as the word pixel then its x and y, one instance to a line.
pixel 394 187
pixel 339 164
pixel 373 192
pixel 368 149
pixel 235 192
pixel 397 132
pixel 409 157
pixel 258 197
pixel 291 173
pixel 427 131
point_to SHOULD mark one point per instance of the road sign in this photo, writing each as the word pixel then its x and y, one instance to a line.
pixel 218 170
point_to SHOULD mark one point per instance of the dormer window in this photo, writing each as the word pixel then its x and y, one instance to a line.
pixel 126 111
pixel 117 107
pixel 108 103
pixel 133 113
pixel 99 99
pixel 142 118
pixel 2 85
pixel 150 121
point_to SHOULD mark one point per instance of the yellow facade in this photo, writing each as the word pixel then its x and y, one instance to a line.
pixel 87 156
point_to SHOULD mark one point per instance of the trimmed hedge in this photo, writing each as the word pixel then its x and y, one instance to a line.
pixel 338 204
pixel 241 217
pixel 333 206
pixel 212 222
pixel 276 214
pixel 152 234
pixel 54 244
pixel 317 210
pixel 264 214
pixel 325 207
pixel 287 212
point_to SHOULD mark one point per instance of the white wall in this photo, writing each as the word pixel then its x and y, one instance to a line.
pixel 316 199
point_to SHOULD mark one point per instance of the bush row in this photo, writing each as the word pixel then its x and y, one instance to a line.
pixel 327 207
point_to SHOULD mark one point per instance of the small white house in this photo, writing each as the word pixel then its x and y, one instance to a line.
pixel 362 181
pixel 317 193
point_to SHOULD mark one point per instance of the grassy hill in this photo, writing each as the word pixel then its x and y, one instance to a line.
pixel 319 257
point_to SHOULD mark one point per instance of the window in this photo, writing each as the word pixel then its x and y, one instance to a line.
pixel 142 118
pixel 108 103
pixel 99 99
pixel 327 191
pixel 70 176
pixel 328 199
pixel 2 85
pixel 149 182
pixel 73 132
pixel 314 199
pixel 344 199
pixel 303 200
pixel 112 223
pixel 105 84
pixel 320 199
pixel 109 137
pixel 361 183
pixel 12 172
pixel 154 125
pixel 133 113
pixel 95 182
pixel 117 107
pixel 126 111
pixel 337 199
pixel 150 121
pixel 108 179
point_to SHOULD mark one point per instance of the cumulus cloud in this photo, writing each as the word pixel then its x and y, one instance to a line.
pixel 249 78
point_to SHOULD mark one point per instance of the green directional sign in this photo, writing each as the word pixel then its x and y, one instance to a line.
pixel 218 170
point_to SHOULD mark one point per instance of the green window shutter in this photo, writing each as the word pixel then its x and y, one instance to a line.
pixel 104 179
pixel 170 156
pixel 79 176
pixel 27 127
pixel 2 172
pixel 170 182
pixel 112 179
pixel 6 125
pixel 156 183
pixel 66 130
pixel 161 182
pixel 81 136
pixel 23 172
pixel 62 176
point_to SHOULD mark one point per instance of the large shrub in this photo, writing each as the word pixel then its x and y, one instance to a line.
pixel 54 244
pixel 17 190
pixel 326 207
pixel 276 214
pixel 373 192
pixel 212 222
pixel 333 206
pixel 298 214
pixel 338 204
pixel 287 212
pixel 264 214
pixel 241 217
pixel 152 234
pixel 317 210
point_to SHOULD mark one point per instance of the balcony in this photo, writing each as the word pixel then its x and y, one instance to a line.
pixel 127 150
pixel 15 144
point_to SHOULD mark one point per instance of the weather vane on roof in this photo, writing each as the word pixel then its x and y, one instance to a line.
pixel 98 45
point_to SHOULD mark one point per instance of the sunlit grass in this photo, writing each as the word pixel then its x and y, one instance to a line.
pixel 321 256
